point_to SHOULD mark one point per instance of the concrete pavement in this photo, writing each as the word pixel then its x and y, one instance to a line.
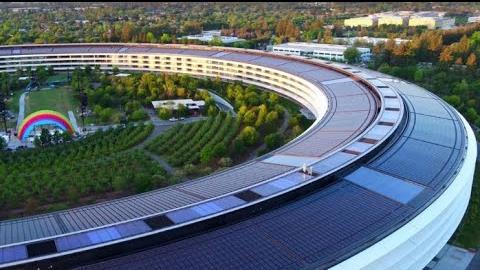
pixel 21 109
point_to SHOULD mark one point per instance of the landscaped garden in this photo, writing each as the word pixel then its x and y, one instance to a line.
pixel 261 125
pixel 104 165
pixel 60 173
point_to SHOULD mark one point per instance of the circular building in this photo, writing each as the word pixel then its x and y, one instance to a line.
pixel 391 175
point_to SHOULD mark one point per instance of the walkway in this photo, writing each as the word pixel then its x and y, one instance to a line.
pixel 21 109
pixel 223 104
pixel 73 120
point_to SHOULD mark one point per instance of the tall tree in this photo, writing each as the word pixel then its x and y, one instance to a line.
pixel 472 61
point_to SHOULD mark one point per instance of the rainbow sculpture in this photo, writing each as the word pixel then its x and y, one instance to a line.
pixel 43 117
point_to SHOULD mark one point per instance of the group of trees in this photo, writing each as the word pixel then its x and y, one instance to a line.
pixel 440 63
pixel 115 98
pixel 199 146
pixel 46 139
pixel 95 165
pixel 169 22
pixel 222 140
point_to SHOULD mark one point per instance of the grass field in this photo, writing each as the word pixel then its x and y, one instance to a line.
pixel 59 99
pixel 12 103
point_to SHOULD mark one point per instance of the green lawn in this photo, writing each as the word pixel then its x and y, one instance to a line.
pixel 12 103
pixel 60 99
pixel 468 233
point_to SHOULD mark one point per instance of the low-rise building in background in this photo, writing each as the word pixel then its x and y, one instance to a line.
pixel 207 36
pixel 321 51
pixel 430 19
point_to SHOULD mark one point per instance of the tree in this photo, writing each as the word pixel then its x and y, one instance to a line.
pixel 238 146
pixel 475 40
pixel 461 88
pixel 164 113
pixel 297 130
pixel 3 143
pixel 44 140
pixel 418 76
pixel 165 38
pixel 384 68
pixel 262 114
pixel 273 140
pixel 453 100
pixel 472 115
pixel 138 115
pixel 206 154
pixel 42 74
pixel 225 162
pixel 249 135
pixel 459 61
pixel 472 61
pixel 446 56
pixel 216 41
pixel 127 32
pixel 327 36
pixel 351 54
pixel 182 110
pixel 219 150
pixel 150 38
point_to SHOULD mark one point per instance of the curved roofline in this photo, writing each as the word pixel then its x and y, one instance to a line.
pixel 342 166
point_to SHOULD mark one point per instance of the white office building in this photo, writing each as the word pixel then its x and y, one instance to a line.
pixel 174 103
pixel 315 50
pixel 432 20
pixel 207 36
pixel 473 19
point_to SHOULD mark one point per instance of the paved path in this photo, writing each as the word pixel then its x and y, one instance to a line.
pixel 73 120
pixel 170 170
pixel 156 131
pixel 21 109
pixel 222 103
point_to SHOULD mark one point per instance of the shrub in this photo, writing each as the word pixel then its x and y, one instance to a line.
pixel 273 140
pixel 138 115
pixel 249 135
pixel 225 162
pixel 164 113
